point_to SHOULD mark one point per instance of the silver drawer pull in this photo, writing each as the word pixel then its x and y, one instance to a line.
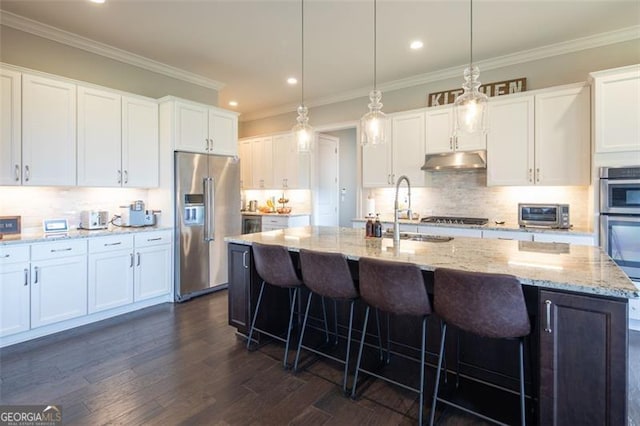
pixel 112 244
pixel 64 249
pixel 244 259
pixel 5 256
pixel 131 260
pixel 548 327
pixel 35 270
pixel 138 259
pixel 26 276
pixel 154 239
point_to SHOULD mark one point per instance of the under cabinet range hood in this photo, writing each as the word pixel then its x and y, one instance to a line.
pixel 455 160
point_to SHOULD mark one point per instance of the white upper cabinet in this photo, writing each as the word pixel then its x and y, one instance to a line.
pixel 440 133
pixel 204 129
pixel 48 132
pixel 140 146
pixel 510 141
pixel 246 163
pixel 616 109
pixel 408 141
pixel 10 130
pixel 99 137
pixel 563 137
pixel 262 162
pixel 377 162
pixel 540 139
pixel 290 168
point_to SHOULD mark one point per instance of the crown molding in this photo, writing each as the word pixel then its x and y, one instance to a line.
pixel 70 39
pixel 584 43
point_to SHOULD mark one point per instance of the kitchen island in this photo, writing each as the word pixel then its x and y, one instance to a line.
pixel 577 299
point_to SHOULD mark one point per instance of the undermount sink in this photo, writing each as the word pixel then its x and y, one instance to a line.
pixel 411 236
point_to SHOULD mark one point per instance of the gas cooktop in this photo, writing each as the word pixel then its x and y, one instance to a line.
pixel 453 220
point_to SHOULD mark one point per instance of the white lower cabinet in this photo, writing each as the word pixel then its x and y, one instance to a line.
pixel 152 275
pixel 271 223
pixel 450 232
pixel 581 240
pixel 507 235
pixel 111 263
pixel 58 281
pixel 14 290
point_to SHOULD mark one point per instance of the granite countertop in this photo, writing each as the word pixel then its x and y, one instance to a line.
pixel 490 226
pixel 583 269
pixel 292 214
pixel 39 236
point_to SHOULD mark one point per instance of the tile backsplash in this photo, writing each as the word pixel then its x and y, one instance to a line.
pixel 464 193
pixel 34 204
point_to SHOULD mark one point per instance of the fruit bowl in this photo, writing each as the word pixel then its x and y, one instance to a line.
pixel 284 210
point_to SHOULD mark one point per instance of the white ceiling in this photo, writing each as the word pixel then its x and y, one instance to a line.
pixel 252 46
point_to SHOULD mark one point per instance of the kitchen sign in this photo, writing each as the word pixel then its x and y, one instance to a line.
pixel 490 89
pixel 9 225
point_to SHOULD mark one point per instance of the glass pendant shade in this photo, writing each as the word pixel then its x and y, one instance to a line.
pixel 373 124
pixel 470 108
pixel 302 131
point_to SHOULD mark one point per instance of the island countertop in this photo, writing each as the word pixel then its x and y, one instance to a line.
pixel 582 269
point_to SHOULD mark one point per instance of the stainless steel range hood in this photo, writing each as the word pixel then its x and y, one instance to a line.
pixel 455 160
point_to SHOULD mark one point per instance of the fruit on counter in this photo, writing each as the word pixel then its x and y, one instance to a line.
pixel 270 204
pixel 264 209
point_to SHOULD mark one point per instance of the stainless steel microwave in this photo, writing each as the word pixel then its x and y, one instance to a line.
pixel 544 215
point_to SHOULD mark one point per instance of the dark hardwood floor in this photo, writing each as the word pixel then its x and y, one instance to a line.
pixel 182 364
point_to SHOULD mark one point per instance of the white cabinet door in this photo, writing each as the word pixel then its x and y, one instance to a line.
pixel 439 130
pixel 140 144
pixel 48 132
pixel 14 298
pixel 582 240
pixel 246 164
pixel 10 129
pixel 507 235
pixel 474 142
pixel 111 267
pixel 285 166
pixel 152 272
pixel 408 146
pixel 223 132
pixel 563 137
pixel 616 110
pixel 377 162
pixel 192 127
pixel 510 142
pixel 99 138
pixel 450 232
pixel 262 159
pixel 58 289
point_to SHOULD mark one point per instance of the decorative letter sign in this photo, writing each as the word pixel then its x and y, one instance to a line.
pixel 489 89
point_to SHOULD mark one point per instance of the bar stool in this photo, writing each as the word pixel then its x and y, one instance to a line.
pixel 485 304
pixel 396 288
pixel 327 275
pixel 275 267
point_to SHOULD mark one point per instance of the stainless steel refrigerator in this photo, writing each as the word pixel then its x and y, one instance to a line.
pixel 207 209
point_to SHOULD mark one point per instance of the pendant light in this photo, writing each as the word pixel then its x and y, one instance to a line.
pixel 373 123
pixel 470 108
pixel 302 132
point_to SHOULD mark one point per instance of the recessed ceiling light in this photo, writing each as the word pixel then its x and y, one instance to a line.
pixel 292 80
pixel 233 103
pixel 415 45
pixel 97 1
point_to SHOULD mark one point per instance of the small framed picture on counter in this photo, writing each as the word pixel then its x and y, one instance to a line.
pixel 9 225
pixel 55 226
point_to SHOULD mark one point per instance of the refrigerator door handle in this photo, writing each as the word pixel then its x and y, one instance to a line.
pixel 209 208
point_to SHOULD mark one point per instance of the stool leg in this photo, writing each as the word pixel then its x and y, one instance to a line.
pixel 286 347
pixel 335 319
pixel 346 359
pixel 255 315
pixel 435 391
pixel 304 326
pixel 379 333
pixel 522 405
pixel 422 351
pixel 326 324
pixel 364 333
pixel 458 360
pixel 388 338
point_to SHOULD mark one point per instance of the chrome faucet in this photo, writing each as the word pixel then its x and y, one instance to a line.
pixel 396 210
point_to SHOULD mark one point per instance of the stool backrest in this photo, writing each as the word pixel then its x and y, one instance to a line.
pixel 394 287
pixel 274 265
pixel 490 305
pixel 327 274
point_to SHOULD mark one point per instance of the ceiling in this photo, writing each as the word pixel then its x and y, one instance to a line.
pixel 252 46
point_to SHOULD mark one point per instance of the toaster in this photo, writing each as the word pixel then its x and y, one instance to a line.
pixel 94 219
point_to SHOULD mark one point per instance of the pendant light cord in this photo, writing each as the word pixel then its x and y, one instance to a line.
pixel 302 56
pixel 470 34
pixel 375 24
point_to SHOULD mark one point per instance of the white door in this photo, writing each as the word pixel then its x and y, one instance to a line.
pixel 99 138
pixel 152 272
pixel 192 127
pixel 326 199
pixel 48 132
pixel 110 279
pixel 140 143
pixel 223 131
pixel 10 131
pixel 14 298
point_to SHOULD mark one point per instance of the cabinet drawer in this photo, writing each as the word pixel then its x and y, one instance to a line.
pixel 115 242
pixel 507 235
pixel 58 249
pixel 275 221
pixel 146 239
pixel 12 254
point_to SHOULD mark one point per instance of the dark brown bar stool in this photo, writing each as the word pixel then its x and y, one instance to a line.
pixel 327 275
pixel 396 288
pixel 487 305
pixel 275 267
